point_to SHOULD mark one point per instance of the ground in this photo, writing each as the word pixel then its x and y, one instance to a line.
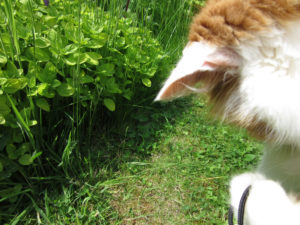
pixel 185 180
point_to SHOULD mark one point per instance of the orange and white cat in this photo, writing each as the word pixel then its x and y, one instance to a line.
pixel 246 53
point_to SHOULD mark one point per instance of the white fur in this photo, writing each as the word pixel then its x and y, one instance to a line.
pixel 270 89
pixel 270 92
pixel 267 204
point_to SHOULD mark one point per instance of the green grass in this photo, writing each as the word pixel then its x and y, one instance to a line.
pixel 177 173
pixel 185 180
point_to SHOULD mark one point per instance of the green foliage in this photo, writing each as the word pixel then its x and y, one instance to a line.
pixel 58 66
pixel 169 20
pixel 73 73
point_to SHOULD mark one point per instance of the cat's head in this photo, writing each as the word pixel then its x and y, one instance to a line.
pixel 236 53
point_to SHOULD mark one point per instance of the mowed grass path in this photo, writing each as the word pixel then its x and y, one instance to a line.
pixel 185 180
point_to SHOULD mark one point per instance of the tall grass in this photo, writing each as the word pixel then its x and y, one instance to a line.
pixel 169 20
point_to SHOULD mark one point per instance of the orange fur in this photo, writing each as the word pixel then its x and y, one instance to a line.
pixel 226 22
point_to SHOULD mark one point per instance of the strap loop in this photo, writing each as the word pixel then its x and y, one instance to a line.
pixel 241 210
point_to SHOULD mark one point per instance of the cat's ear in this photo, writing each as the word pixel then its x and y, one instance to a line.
pixel 199 61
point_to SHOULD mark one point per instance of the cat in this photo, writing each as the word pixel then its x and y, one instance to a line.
pixel 246 55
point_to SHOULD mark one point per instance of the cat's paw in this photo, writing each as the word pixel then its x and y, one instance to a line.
pixel 239 184
pixel 268 203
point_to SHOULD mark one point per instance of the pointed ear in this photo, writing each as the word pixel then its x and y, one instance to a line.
pixel 200 61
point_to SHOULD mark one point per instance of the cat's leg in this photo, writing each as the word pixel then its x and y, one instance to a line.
pixel 239 184
pixel 267 204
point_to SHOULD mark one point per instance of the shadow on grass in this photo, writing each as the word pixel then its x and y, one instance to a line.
pixel 83 197
pixel 135 137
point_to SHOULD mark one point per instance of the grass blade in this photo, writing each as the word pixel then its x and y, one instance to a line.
pixel 24 125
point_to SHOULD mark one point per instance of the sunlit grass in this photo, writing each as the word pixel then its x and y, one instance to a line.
pixel 185 181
